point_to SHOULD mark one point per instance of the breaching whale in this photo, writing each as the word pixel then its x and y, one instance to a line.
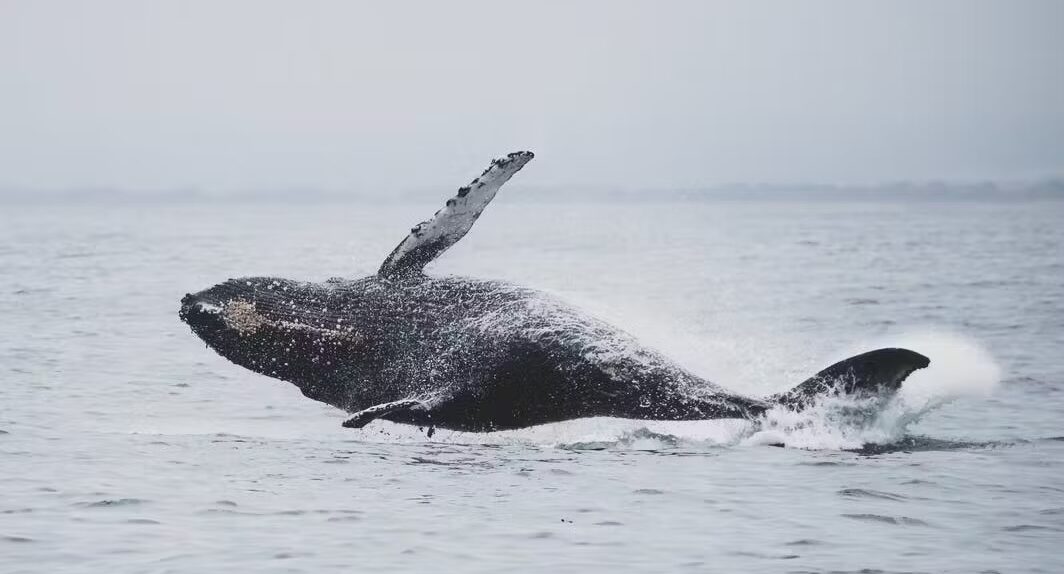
pixel 474 355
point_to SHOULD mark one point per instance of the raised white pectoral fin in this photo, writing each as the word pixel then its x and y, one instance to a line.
pixel 432 237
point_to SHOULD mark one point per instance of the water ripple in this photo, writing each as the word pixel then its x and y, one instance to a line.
pixel 900 520
pixel 862 493
pixel 112 503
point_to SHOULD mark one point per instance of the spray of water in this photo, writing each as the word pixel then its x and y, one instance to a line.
pixel 960 367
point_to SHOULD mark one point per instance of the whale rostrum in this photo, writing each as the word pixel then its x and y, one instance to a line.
pixel 476 355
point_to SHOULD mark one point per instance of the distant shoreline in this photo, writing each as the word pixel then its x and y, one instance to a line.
pixel 1050 189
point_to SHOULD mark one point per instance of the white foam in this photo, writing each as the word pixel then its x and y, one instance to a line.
pixel 833 423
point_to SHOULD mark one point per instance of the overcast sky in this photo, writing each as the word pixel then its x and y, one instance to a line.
pixel 237 95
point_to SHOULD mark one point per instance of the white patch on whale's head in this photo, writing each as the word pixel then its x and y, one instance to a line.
pixel 243 317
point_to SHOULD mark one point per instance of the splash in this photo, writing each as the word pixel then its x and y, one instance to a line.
pixel 960 367
pixel 832 423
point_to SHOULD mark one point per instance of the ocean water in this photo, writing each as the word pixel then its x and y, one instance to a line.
pixel 127 446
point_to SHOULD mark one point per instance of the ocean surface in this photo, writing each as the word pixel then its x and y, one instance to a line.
pixel 127 446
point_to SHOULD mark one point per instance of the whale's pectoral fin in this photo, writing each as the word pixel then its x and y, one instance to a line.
pixel 430 238
pixel 875 373
pixel 366 416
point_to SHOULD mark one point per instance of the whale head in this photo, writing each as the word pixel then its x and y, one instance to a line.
pixel 305 333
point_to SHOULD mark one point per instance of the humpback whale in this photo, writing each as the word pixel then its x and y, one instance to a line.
pixel 476 355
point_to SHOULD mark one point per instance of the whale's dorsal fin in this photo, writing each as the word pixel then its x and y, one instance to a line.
pixel 432 237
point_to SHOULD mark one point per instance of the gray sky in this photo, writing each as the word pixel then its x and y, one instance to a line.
pixel 395 95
